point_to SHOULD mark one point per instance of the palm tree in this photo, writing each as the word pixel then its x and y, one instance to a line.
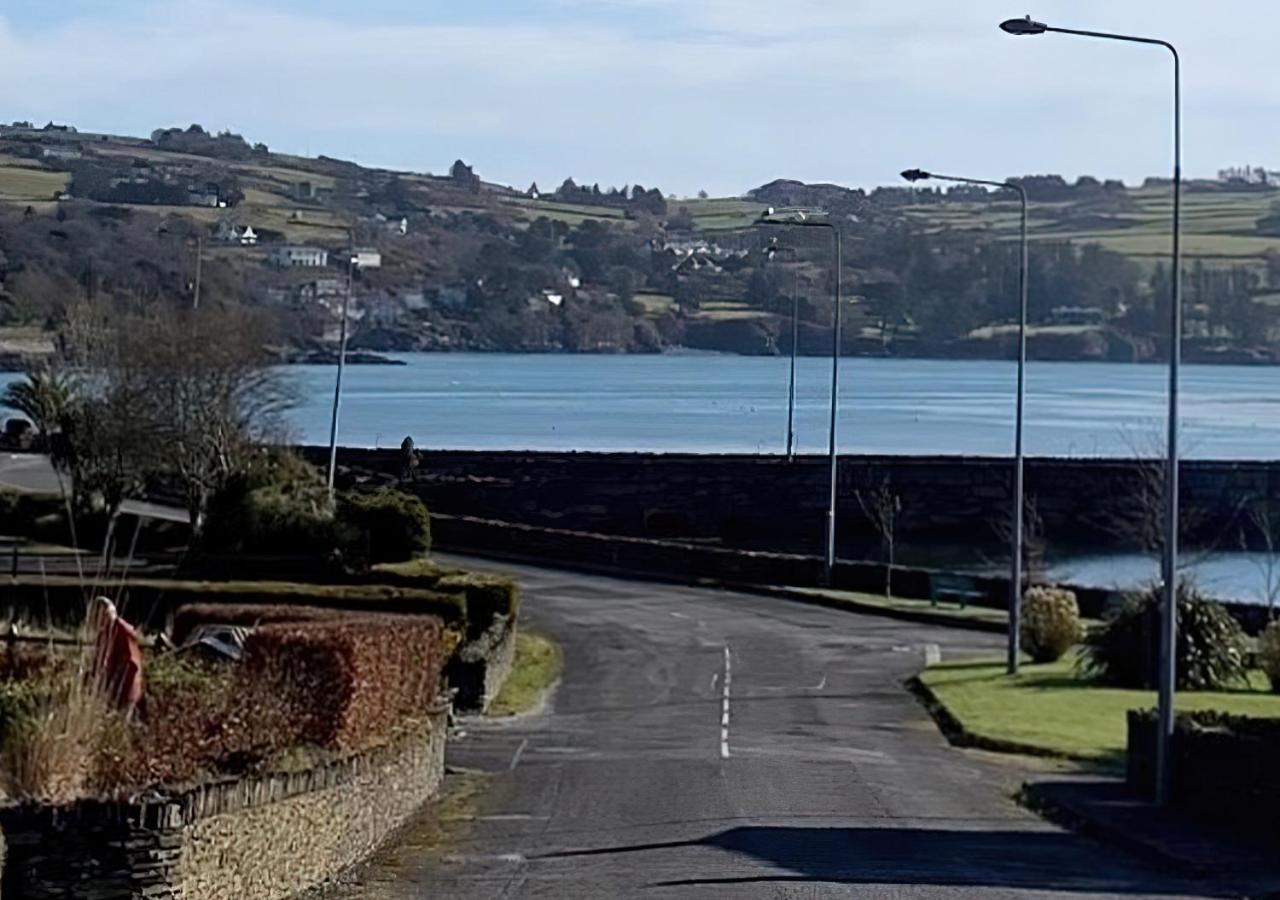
pixel 47 397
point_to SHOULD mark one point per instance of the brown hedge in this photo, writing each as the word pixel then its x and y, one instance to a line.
pixel 149 601
pixel 249 615
pixel 345 681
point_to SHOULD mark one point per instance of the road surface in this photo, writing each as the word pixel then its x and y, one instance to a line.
pixel 711 744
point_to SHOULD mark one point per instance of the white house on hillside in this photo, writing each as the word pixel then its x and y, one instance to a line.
pixel 366 258
pixel 295 255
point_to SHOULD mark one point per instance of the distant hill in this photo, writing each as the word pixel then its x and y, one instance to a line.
pixel 455 262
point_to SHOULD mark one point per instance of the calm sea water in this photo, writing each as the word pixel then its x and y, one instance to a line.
pixel 711 403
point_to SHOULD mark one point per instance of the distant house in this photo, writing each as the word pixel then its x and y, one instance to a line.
pixel 230 233
pixel 366 258
pixel 1077 315
pixel 298 256
pixel 66 151
pixel 321 289
pixel 207 194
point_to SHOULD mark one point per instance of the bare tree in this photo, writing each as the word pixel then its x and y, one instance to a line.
pixel 1137 519
pixel 173 393
pixel 1267 560
pixel 210 393
pixel 882 506
pixel 1035 568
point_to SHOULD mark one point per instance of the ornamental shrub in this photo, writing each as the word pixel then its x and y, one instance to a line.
pixel 1211 646
pixel 1050 623
pixel 1269 653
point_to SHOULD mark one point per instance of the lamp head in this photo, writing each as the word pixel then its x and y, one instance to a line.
pixel 916 175
pixel 1022 26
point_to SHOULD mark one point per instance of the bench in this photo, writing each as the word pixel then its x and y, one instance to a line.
pixel 958 588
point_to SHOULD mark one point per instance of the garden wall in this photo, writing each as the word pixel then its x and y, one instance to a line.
pixel 266 836
pixel 1223 767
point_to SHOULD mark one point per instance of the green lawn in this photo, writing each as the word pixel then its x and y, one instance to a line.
pixel 1047 708
pixel 537 666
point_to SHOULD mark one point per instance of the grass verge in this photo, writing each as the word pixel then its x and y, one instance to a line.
pixel 537 666
pixel 1046 710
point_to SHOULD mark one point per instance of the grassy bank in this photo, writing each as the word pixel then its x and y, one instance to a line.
pixel 1047 709
pixel 537 666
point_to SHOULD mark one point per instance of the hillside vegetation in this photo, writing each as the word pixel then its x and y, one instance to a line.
pixel 121 222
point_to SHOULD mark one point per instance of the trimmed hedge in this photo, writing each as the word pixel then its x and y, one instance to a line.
pixel 487 594
pixel 346 681
pixel 63 600
pixel 187 618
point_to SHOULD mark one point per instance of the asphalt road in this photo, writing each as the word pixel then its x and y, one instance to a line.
pixel 819 777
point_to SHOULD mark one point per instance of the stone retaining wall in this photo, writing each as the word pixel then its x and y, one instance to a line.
pixel 478 669
pixel 254 838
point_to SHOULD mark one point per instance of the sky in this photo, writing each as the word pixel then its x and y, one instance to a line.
pixel 685 95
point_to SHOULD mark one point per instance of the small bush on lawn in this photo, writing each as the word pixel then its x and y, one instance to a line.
pixel 1269 653
pixel 388 525
pixel 1050 623
pixel 1211 645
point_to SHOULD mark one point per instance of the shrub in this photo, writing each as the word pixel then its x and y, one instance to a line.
pixel 347 681
pixel 1125 652
pixel 1050 623
pixel 1269 653
pixel 278 505
pixel 388 525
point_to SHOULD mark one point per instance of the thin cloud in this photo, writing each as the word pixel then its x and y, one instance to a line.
pixel 714 94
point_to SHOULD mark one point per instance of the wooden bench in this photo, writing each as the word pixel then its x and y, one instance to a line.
pixel 958 588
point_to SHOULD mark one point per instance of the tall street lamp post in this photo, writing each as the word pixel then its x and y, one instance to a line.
pixel 1016 552
pixel 1169 563
pixel 804 218
pixel 342 362
pixel 772 250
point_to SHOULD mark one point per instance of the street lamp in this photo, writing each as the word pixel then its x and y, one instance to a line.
pixel 806 218
pixel 772 250
pixel 342 362
pixel 1169 563
pixel 1015 576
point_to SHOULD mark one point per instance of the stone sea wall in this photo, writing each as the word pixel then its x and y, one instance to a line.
pixel 765 502
pixel 254 838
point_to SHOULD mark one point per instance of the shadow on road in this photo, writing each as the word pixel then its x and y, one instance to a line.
pixel 1042 860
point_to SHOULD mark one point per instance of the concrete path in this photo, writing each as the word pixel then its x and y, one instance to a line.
pixel 711 744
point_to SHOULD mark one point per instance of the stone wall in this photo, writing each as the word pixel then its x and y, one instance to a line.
pixel 479 668
pixel 1223 768
pixel 267 836
pixel 766 502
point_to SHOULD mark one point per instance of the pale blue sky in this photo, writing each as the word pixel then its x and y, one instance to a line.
pixel 682 94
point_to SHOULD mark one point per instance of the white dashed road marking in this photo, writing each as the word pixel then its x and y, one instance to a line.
pixel 724 707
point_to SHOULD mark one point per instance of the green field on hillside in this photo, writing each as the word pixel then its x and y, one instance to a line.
pixel 720 214
pixel 1217 226
pixel 18 183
